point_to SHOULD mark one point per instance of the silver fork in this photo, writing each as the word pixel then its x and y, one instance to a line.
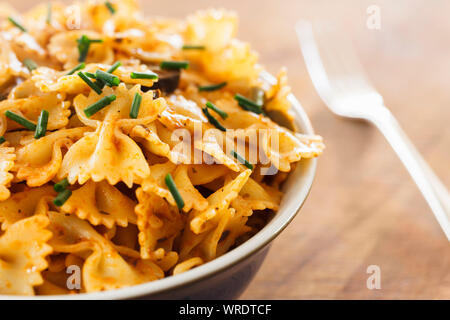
pixel 341 83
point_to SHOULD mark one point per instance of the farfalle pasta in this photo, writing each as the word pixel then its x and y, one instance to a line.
pixel 133 148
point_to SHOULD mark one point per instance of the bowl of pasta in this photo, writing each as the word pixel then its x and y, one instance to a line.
pixel 141 157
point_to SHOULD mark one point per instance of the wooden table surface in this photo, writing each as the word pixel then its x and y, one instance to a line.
pixel 364 208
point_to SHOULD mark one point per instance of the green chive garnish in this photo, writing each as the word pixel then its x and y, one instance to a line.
pixel 212 87
pixel 213 120
pixel 99 81
pixel 192 47
pixel 241 160
pixel 221 113
pixel 17 24
pixel 49 13
pixel 174 191
pixel 90 75
pixel 83 46
pixel 144 75
pixel 91 84
pixel 114 67
pixel 2 139
pixel 135 105
pixel 100 104
pixel 174 65
pixel 30 64
pixel 248 104
pixel 108 78
pixel 110 7
pixel 78 67
pixel 20 120
pixel 41 126
pixel 62 197
pixel 61 186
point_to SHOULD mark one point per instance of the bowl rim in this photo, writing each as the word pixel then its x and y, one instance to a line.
pixel 231 258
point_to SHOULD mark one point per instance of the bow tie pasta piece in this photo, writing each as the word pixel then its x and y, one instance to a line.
pixel 39 161
pixel 120 108
pixel 103 268
pixel 25 46
pixel 256 196
pixel 277 101
pixel 227 59
pixel 107 154
pixel 23 248
pixel 31 108
pixel 155 183
pixel 50 80
pixel 10 66
pixel 157 221
pixel 212 28
pixel 283 147
pixel 182 113
pixel 7 158
pixel 218 201
pixel 101 203
pixel 22 204
pixel 63 48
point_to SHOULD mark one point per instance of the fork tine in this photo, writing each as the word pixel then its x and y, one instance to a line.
pixel 335 55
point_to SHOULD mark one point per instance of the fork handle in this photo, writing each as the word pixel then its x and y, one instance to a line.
pixel 434 192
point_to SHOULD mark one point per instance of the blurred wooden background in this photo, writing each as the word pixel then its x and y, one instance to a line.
pixel 363 209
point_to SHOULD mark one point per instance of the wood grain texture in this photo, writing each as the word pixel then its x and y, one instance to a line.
pixel 363 209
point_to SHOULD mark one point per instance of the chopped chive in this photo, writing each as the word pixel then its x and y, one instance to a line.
pixel 41 126
pixel 90 75
pixel 212 87
pixel 241 160
pixel 30 64
pixel 83 46
pixel 135 105
pixel 144 75
pixel 20 120
pixel 2 139
pixel 114 67
pixel 61 186
pixel 213 120
pixel 91 84
pixel 248 104
pixel 97 106
pixel 192 47
pixel 49 13
pixel 110 7
pixel 174 65
pixel 108 78
pixel 17 24
pixel 62 197
pixel 221 113
pixel 78 67
pixel 174 191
